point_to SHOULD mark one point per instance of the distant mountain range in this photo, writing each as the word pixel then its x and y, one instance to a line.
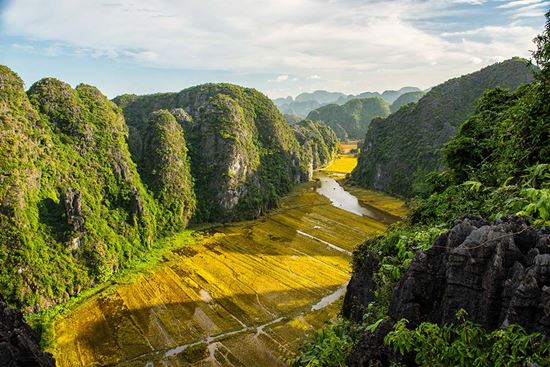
pixel 304 103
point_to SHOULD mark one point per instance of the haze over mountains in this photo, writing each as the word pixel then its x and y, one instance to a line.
pixel 306 102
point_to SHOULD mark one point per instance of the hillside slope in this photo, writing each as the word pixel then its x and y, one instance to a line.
pixel 304 103
pixel 72 206
pixel 400 150
pixel 465 278
pixel 351 120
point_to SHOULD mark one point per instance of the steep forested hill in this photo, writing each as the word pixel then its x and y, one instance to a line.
pixel 243 153
pixel 351 120
pixel 463 280
pixel 304 103
pixel 319 141
pixel 72 205
pixel 400 150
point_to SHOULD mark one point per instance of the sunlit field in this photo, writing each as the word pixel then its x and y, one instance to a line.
pixel 242 295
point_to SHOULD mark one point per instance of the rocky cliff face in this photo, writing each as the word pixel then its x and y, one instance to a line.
pixel 499 273
pixel 18 343
pixel 243 153
pixel 400 150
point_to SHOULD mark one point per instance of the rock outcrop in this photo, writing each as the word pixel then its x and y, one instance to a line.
pixel 498 273
pixel 18 343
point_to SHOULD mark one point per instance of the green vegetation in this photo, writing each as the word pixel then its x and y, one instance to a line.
pixel 498 163
pixel 329 346
pixel 351 120
pixel 243 154
pixel 390 96
pixel 304 103
pixel 318 140
pixel 405 99
pixel 161 251
pixel 73 207
pixel 468 344
pixel 165 169
pixel 401 150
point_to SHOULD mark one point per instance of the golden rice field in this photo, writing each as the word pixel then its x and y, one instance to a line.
pixel 344 164
pixel 241 295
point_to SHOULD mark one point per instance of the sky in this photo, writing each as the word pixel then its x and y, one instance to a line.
pixel 280 47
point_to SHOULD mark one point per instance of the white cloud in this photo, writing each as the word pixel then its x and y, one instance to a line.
pixel 529 11
pixel 471 2
pixel 475 60
pixel 338 39
pixel 279 79
pixel 518 3
pixel 526 8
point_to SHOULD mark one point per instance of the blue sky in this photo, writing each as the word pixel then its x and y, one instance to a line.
pixel 281 47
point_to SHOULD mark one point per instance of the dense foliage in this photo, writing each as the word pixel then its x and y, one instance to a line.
pixel 319 141
pixel 166 170
pixel 498 163
pixel 401 150
pixel 329 346
pixel 468 344
pixel 73 209
pixel 243 154
pixel 351 120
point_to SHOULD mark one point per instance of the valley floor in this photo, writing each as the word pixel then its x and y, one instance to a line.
pixel 242 295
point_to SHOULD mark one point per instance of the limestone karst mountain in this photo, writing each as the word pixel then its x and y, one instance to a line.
pixel 243 154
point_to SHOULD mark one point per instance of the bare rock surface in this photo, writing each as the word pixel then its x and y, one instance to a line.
pixel 18 343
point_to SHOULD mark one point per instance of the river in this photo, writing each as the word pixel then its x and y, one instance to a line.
pixel 244 294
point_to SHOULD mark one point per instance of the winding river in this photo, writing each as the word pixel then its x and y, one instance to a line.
pixel 244 294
